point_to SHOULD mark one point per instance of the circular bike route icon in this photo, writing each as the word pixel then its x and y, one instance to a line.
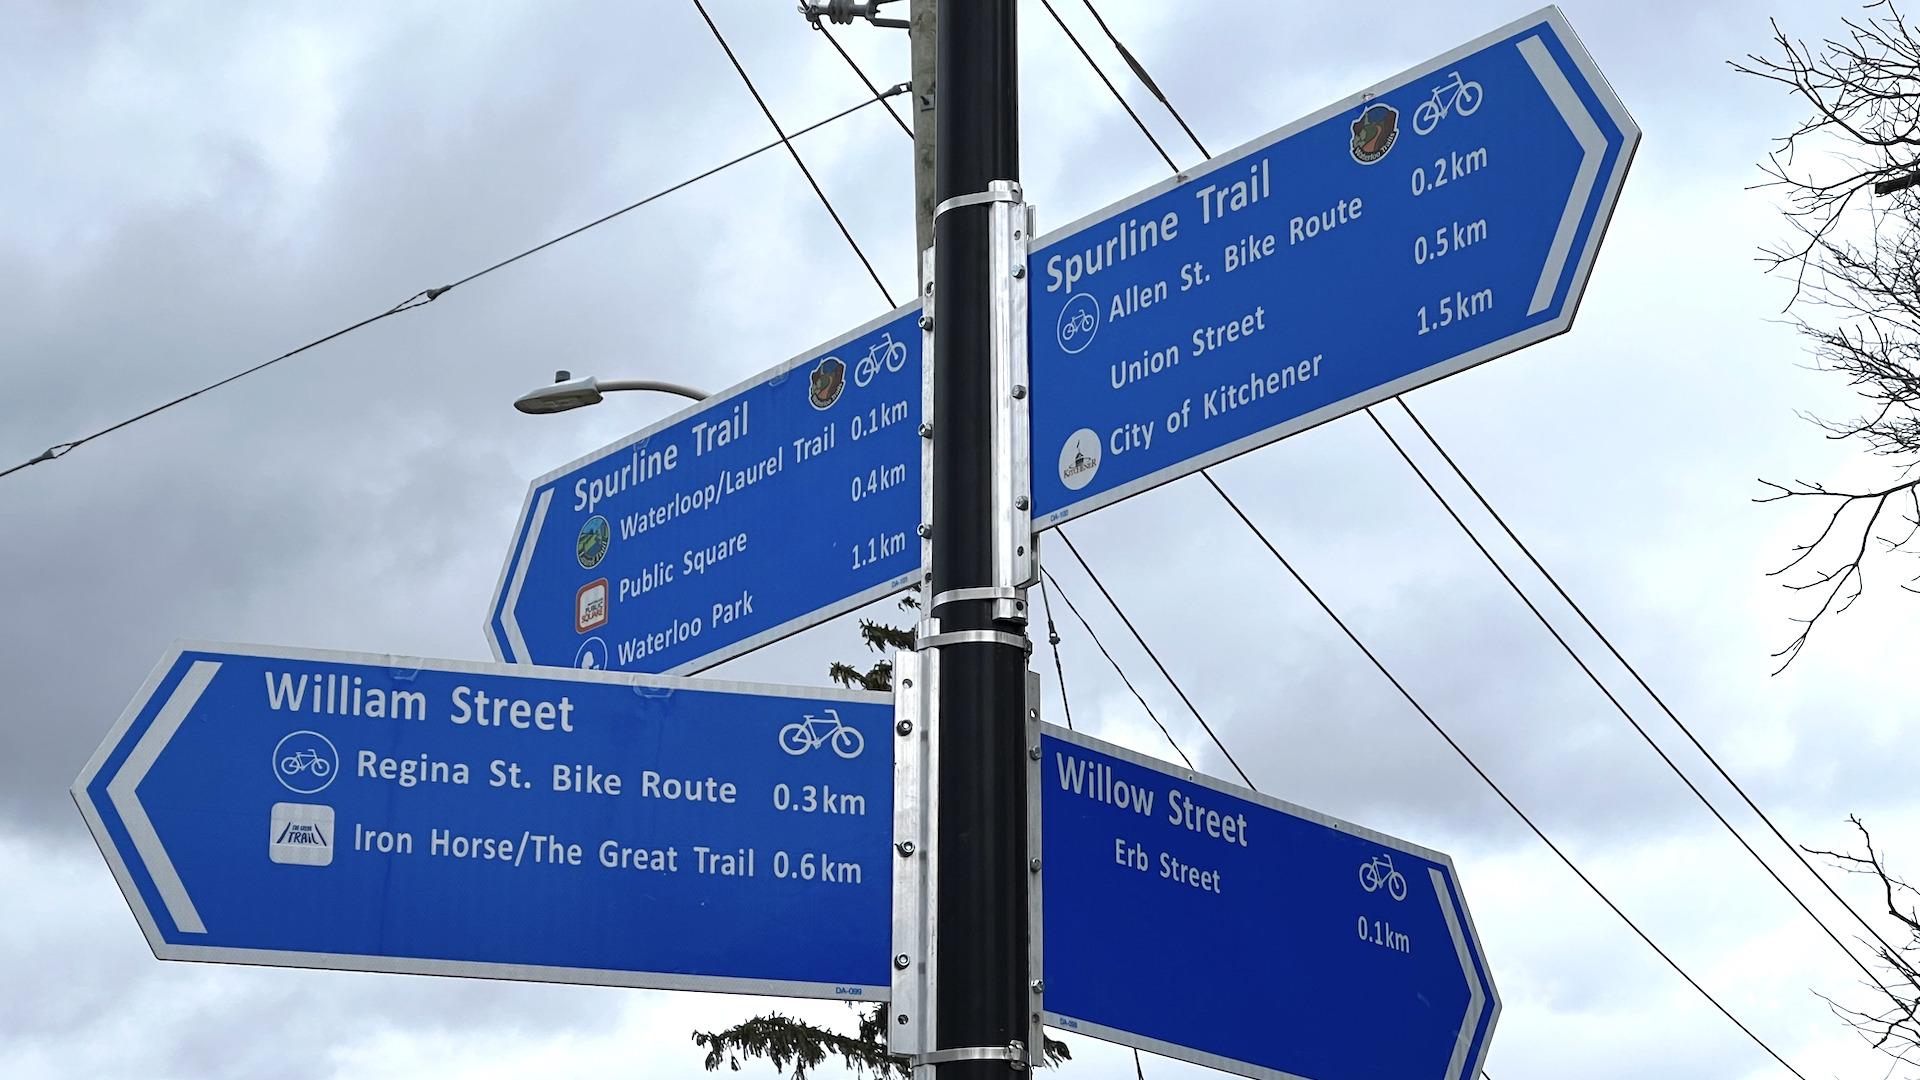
pixel 1079 321
pixel 305 762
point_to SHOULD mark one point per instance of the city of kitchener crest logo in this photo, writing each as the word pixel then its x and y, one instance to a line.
pixel 824 385
pixel 1374 132
pixel 591 546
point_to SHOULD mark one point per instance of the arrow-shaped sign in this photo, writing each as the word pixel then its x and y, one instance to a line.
pixel 1205 922
pixel 337 810
pixel 1440 219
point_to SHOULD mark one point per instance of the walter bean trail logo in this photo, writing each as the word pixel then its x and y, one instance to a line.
pixel 305 762
pixel 1080 459
pixel 300 834
pixel 812 733
pixel 1079 321
pixel 1374 132
pixel 1380 874
pixel 824 385
pixel 596 536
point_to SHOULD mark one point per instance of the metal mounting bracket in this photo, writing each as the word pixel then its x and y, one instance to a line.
pixel 1014 1054
pixel 916 819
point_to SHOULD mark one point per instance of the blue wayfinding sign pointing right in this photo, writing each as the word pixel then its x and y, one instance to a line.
pixel 763 510
pixel 303 808
pixel 1445 217
pixel 1205 922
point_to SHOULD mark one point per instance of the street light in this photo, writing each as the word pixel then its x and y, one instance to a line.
pixel 568 392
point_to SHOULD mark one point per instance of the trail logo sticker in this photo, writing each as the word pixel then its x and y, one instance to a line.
pixel 829 378
pixel 1079 321
pixel 592 655
pixel 1080 459
pixel 300 834
pixel 590 606
pixel 1374 132
pixel 305 762
pixel 596 536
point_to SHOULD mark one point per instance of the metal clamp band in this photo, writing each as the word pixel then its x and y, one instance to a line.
pixel 975 637
pixel 1014 1054
pixel 985 592
pixel 977 198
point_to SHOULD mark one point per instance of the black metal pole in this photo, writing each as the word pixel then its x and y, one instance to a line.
pixel 983 996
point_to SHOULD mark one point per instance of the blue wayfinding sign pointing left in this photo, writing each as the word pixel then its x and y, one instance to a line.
pixel 1445 217
pixel 1205 922
pixel 339 810
pixel 763 510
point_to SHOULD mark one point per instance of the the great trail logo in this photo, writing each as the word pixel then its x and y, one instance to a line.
pixel 596 536
pixel 300 834
pixel 829 378
pixel 305 761
pixel 1079 321
pixel 1374 132
pixel 590 606
pixel 1080 459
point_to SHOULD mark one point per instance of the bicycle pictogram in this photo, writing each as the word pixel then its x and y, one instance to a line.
pixel 886 353
pixel 1380 873
pixel 304 760
pixel 804 735
pixel 1465 97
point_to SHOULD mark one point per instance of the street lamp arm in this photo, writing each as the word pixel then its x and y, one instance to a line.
pixel 606 385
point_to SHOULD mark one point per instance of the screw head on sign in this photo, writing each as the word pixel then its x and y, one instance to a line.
pixel 926 322
pixel 1033 752
pixel 925 530
pixel 904 727
pixel 1019 271
pixel 926 431
pixel 906 848
pixel 902 1018
pixel 1020 502
pixel 1033 865
pixel 1019 391
pixel 902 962
pixel 1039 985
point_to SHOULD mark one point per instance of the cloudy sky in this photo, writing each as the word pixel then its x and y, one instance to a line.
pixel 194 188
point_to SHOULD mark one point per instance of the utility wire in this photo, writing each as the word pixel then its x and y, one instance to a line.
pixel 804 171
pixel 1608 694
pixel 1103 78
pixel 1053 639
pixel 1048 574
pixel 1631 670
pixel 1145 79
pixel 427 296
pixel 1488 780
pixel 1156 660
pixel 872 89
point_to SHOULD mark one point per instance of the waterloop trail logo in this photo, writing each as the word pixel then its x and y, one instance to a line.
pixel 592 655
pixel 1375 132
pixel 829 378
pixel 1079 321
pixel 305 762
pixel 1080 459
pixel 596 536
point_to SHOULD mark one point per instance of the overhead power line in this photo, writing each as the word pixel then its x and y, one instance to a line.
pixel 1117 670
pixel 868 83
pixel 427 296
pixel 1103 78
pixel 1488 780
pixel 1145 79
pixel 1164 673
pixel 788 143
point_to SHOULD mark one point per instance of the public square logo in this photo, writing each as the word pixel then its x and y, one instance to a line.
pixel 824 385
pixel 300 834
pixel 596 536
pixel 590 606
pixel 1374 132
pixel 305 762
pixel 1079 321
pixel 1080 459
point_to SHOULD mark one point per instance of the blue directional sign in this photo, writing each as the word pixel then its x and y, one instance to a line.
pixel 1445 217
pixel 339 810
pixel 1205 922
pixel 765 509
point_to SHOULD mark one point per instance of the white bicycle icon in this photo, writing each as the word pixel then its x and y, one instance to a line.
pixel 1380 872
pixel 304 760
pixel 1465 98
pixel 885 352
pixel 804 735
